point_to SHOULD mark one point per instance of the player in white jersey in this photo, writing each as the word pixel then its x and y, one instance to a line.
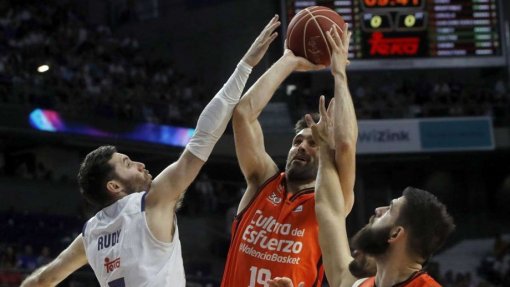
pixel 134 240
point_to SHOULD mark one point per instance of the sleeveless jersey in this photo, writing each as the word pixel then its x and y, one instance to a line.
pixel 276 235
pixel 123 252
pixel 419 279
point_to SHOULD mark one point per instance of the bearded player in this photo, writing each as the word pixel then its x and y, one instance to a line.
pixel 400 238
pixel 275 232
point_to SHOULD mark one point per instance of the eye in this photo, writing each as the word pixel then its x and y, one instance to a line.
pixel 312 143
pixel 297 141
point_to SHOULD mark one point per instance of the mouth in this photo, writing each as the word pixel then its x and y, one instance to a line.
pixel 300 158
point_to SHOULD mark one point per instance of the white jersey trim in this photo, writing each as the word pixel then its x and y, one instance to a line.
pixel 359 282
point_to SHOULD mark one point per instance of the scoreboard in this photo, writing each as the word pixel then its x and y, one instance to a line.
pixel 417 33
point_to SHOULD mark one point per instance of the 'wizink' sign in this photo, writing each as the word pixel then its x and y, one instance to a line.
pixel 425 135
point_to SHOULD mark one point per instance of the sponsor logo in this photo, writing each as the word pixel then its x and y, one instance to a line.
pixel 274 199
pixel 386 135
pixel 111 265
pixel 298 209
pixel 393 46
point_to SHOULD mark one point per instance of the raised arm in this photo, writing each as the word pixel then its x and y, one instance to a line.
pixel 256 165
pixel 330 206
pixel 169 186
pixel 345 123
pixel 72 258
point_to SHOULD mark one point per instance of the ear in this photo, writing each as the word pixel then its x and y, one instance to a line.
pixel 396 233
pixel 113 186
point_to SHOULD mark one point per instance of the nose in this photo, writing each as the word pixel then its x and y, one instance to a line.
pixel 303 146
pixel 141 166
pixel 381 210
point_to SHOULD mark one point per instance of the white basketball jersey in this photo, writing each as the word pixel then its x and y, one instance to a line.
pixel 123 252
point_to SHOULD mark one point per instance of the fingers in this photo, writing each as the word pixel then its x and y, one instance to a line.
pixel 273 20
pixel 346 37
pixel 270 26
pixel 280 282
pixel 331 108
pixel 316 133
pixel 331 41
pixel 337 37
pixel 322 108
pixel 271 38
pixel 309 120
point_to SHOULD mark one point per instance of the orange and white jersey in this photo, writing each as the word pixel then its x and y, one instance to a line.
pixel 275 236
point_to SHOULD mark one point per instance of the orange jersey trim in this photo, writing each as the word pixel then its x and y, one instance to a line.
pixel 419 279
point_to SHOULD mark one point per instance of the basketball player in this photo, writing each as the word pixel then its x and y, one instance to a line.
pixel 275 232
pixel 134 239
pixel 400 237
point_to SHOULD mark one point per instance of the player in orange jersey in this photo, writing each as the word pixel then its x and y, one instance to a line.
pixel 400 237
pixel 275 232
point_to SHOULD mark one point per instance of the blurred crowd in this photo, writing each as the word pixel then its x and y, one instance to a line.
pixel 495 267
pixel 91 72
pixel 395 95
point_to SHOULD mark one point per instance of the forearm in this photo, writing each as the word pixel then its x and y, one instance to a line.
pixel 214 118
pixel 257 97
pixel 346 126
pixel 330 211
pixel 329 200
pixel 345 135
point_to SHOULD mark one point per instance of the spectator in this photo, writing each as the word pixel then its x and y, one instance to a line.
pixel 27 260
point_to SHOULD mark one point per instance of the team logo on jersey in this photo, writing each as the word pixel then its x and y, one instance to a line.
pixel 274 199
pixel 298 209
pixel 111 265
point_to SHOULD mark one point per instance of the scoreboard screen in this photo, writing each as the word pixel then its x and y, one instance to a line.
pixel 417 33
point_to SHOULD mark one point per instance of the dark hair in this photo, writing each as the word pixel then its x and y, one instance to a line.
pixel 95 172
pixel 427 220
pixel 301 123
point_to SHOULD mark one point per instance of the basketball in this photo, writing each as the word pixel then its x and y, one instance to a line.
pixel 306 33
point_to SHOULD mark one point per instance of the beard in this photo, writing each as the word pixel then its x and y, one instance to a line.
pixel 363 265
pixel 298 172
pixel 372 241
pixel 135 185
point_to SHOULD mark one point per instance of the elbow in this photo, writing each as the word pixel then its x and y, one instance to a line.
pixel 43 281
pixel 36 281
pixel 346 146
pixel 240 112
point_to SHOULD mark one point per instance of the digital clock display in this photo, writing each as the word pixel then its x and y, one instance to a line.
pixel 419 29
pixel 375 4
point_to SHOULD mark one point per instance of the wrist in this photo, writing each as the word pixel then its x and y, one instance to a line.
pixel 244 66
pixel 289 61
pixel 340 75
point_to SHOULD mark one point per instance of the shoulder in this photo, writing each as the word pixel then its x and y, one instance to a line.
pixel 426 280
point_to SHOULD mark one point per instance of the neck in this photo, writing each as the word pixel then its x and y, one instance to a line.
pixel 392 270
pixel 294 187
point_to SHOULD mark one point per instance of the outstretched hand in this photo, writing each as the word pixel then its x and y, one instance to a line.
pixel 323 131
pixel 259 47
pixel 283 282
pixel 340 48
pixel 301 64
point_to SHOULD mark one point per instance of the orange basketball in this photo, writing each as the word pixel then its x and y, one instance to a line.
pixel 306 33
